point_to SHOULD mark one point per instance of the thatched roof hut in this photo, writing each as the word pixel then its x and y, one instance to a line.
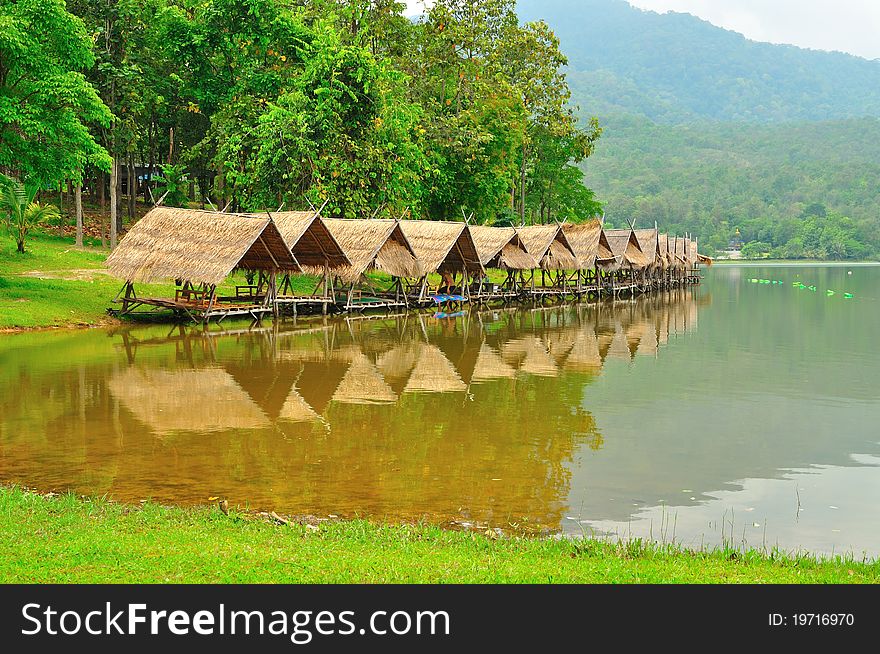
pixel 502 247
pixel 678 252
pixel 311 242
pixel 549 246
pixel 373 245
pixel 689 255
pixel 605 257
pixel 625 245
pixel 648 240
pixel 200 247
pixel 442 246
pixel 695 255
pixel 201 400
pixel 663 250
pixel 584 241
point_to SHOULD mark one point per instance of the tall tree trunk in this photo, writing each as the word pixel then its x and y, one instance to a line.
pixel 151 159
pixel 102 192
pixel 119 213
pixel 170 144
pixel 522 188
pixel 114 175
pixel 79 215
pixel 132 188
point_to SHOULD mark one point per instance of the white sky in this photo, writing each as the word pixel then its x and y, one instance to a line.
pixel 847 25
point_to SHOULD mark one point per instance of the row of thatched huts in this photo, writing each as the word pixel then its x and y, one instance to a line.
pixel 426 262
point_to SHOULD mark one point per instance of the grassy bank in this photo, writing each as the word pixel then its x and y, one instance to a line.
pixel 68 539
pixel 56 284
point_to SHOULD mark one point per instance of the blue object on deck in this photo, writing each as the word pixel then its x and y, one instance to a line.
pixel 440 299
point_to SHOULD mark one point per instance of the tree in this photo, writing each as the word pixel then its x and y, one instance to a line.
pixel 171 186
pixel 46 103
pixel 756 250
pixel 345 133
pixel 21 212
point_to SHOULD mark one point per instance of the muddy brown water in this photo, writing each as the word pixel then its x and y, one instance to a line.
pixel 735 411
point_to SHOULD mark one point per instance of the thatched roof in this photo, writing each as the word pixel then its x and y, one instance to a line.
pixel 584 241
pixel 202 400
pixel 442 245
pixel 373 244
pixel 549 246
pixel 663 249
pixel 501 247
pixel 605 258
pixel 648 242
pixel 311 242
pixel 433 373
pixel 678 252
pixel 624 244
pixel 696 257
pixel 201 247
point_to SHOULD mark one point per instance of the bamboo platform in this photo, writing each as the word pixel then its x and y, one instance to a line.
pixel 197 311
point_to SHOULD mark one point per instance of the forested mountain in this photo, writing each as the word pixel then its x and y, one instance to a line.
pixel 709 132
pixel 765 180
pixel 675 68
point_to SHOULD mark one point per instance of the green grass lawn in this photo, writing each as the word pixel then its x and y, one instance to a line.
pixel 55 284
pixel 69 539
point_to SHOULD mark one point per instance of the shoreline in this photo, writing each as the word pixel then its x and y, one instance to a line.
pixel 79 539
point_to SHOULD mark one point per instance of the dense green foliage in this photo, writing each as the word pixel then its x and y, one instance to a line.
pixel 46 104
pixel 72 540
pixel 775 183
pixel 264 103
pixel 675 68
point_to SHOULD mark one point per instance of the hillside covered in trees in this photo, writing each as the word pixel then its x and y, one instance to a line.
pixel 675 68
pixel 709 132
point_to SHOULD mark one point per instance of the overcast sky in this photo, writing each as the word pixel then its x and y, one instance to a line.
pixel 848 25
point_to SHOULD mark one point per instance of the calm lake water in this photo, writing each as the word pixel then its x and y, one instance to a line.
pixel 735 410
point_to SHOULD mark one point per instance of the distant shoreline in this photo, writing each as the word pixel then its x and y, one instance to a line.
pixel 789 262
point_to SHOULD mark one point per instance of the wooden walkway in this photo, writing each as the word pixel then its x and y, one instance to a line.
pixel 198 310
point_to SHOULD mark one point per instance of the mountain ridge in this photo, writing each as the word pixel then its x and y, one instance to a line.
pixel 675 67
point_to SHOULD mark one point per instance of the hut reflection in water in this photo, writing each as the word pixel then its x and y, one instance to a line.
pixel 411 416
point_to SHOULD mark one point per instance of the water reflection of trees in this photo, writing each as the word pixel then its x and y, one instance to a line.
pixel 475 419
